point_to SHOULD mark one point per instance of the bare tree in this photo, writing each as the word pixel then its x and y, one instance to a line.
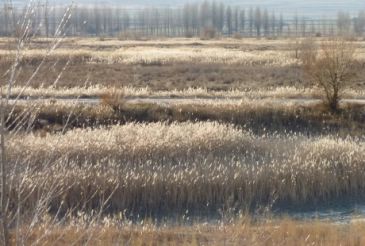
pixel 265 21
pixel 125 20
pixel 360 23
pixel 296 24
pixel 236 20
pixel 303 26
pixel 187 20
pixel 243 21
pixel 221 17
pixel 229 20
pixel 251 21
pixel 343 23
pixel 273 24
pixel 307 51
pixel 46 18
pixel 97 20
pixel 258 21
pixel 330 66
pixel 214 15
pixel 205 16
pixel 281 25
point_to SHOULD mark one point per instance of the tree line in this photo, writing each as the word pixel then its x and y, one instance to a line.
pixel 208 19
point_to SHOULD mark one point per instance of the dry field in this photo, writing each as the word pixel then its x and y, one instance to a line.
pixel 165 64
pixel 90 164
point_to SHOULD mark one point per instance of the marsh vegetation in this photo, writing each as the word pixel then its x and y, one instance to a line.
pixel 182 141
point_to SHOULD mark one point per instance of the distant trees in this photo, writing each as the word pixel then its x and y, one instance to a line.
pixel 266 23
pixel 359 24
pixel 243 21
pixel 281 25
pixel 192 19
pixel 206 21
pixel 343 23
pixel 221 17
pixel 258 21
pixel 273 24
pixel 229 20
pixel 236 20
pixel 251 21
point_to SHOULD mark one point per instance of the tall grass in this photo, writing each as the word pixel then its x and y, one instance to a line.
pixel 259 115
pixel 160 56
pixel 110 231
pixel 286 92
pixel 161 169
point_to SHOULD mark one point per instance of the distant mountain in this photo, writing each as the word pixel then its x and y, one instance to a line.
pixel 306 7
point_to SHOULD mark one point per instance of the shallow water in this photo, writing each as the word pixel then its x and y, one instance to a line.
pixel 336 214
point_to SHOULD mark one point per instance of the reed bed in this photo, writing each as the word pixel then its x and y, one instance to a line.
pixel 148 55
pixel 259 115
pixel 246 52
pixel 159 169
pixel 95 42
pixel 158 55
pixel 145 92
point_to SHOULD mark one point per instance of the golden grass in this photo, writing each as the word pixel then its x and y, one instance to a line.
pixel 100 91
pixel 156 55
pixel 271 53
pixel 276 232
pixel 178 41
pixel 159 168
pixel 255 114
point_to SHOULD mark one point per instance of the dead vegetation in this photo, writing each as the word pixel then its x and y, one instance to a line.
pixel 168 64
pixel 196 167
pixel 331 67
pixel 285 232
pixel 88 174
pixel 256 114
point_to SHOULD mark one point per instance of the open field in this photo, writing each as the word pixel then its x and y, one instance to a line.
pixel 167 65
pixel 170 141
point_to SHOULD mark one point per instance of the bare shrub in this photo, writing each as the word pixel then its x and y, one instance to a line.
pixel 131 35
pixel 189 34
pixel 208 33
pixel 114 99
pixel 307 51
pixel 237 35
pixel 318 34
pixel 331 67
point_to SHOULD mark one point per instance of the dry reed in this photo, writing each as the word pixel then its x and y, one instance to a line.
pixel 162 169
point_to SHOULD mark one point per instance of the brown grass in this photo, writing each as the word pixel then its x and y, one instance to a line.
pixel 281 232
pixel 218 65
pixel 254 114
